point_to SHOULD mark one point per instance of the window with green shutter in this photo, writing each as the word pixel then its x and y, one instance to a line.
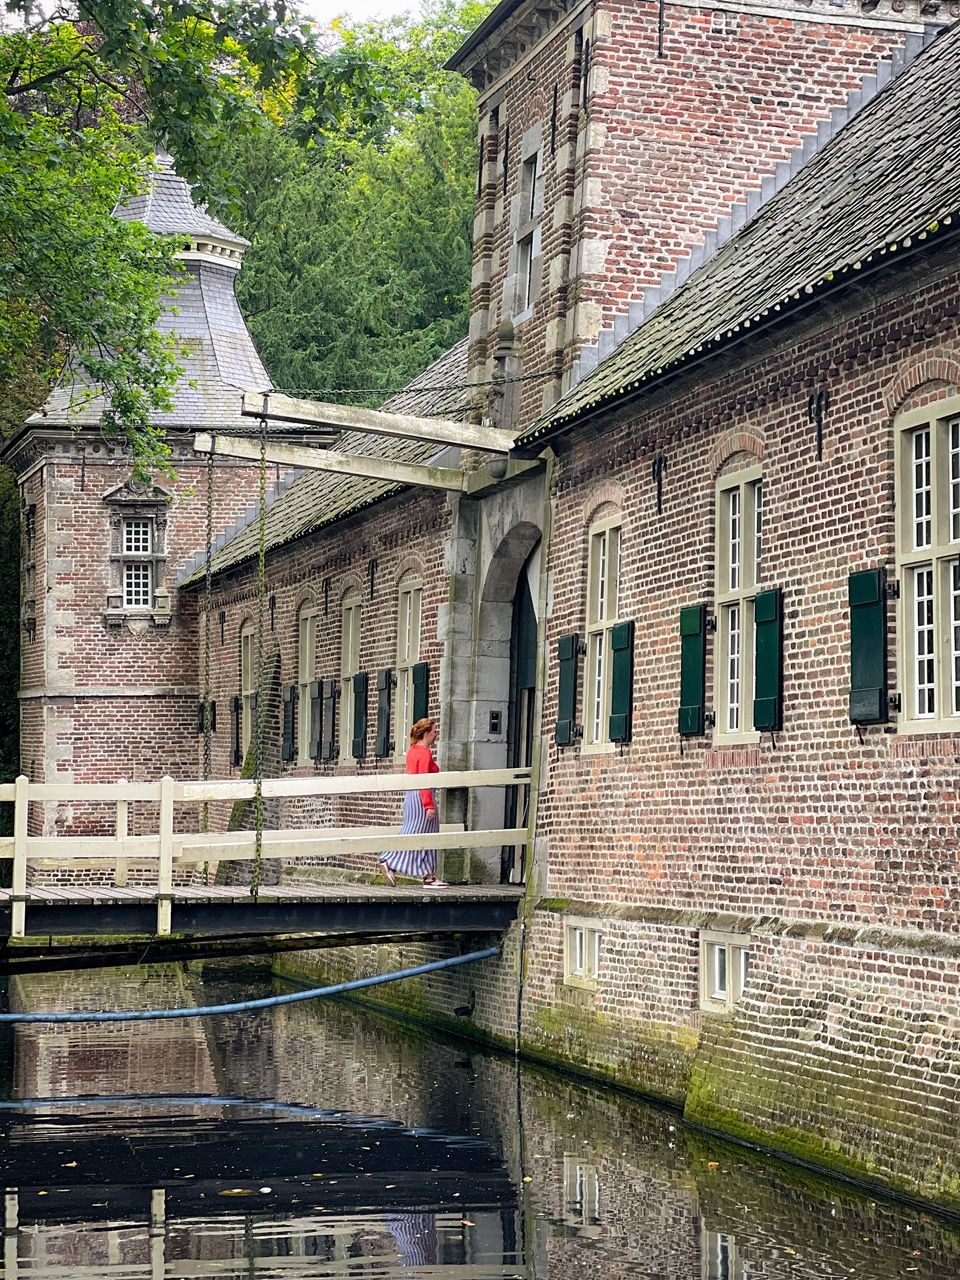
pixel 359 740
pixel 621 683
pixel 288 749
pixel 691 719
pixel 421 691
pixel 568 656
pixel 236 717
pixel 768 682
pixel 867 597
pixel 384 696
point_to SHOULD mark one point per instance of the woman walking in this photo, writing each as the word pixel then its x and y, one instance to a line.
pixel 419 813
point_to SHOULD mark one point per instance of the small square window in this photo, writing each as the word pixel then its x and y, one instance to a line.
pixel 724 966
pixel 582 953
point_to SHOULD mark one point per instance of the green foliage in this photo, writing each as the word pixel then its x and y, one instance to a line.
pixel 360 267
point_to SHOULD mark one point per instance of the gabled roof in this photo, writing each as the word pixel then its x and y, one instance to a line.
pixel 890 176
pixel 318 498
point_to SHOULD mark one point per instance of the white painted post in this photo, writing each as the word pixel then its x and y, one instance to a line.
pixel 21 814
pixel 165 877
pixel 123 830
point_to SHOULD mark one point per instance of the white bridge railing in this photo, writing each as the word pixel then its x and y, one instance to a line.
pixel 168 849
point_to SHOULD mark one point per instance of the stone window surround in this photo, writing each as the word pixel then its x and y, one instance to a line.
pixel 746 482
pixel 582 964
pixel 129 502
pixel 942 550
pixel 736 950
pixel 526 214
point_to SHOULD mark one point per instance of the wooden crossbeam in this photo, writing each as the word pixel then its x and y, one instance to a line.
pixel 280 408
pixel 349 464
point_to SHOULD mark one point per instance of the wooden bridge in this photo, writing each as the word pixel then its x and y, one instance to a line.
pixel 53 893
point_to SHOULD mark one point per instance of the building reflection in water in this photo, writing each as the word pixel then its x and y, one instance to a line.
pixel 331 1141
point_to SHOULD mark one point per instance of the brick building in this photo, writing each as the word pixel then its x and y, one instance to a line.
pixel 715 604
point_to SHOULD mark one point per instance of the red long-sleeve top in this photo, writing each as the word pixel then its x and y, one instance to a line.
pixel 420 760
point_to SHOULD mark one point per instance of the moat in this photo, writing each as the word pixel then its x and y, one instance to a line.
pixel 326 1140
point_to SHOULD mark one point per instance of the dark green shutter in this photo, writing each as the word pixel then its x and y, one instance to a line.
pixel 693 670
pixel 360 683
pixel 316 718
pixel 329 749
pixel 236 751
pixel 568 657
pixel 421 691
pixel 213 717
pixel 867 596
pixel 768 686
pixel 621 682
pixel 288 751
pixel 384 691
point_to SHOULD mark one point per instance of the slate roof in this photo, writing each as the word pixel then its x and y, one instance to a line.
pixel 166 207
pixel 318 498
pixel 890 175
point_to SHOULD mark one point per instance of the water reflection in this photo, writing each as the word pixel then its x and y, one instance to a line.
pixel 327 1141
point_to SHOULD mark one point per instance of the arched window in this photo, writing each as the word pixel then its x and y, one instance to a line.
pixel 248 685
pixel 928 566
pixel 603 605
pixel 349 666
pixel 306 663
pixel 408 655
pixel 738 552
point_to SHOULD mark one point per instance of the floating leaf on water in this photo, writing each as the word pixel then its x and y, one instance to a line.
pixel 236 1191
pixel 465 1222
pixel 713 1164
pixel 71 1164
pixel 527 1178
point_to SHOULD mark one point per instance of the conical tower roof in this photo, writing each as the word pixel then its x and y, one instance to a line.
pixel 221 361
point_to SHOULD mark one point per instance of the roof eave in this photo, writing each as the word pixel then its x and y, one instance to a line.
pixel 476 38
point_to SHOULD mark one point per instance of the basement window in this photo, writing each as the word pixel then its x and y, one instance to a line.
pixel 724 968
pixel 582 953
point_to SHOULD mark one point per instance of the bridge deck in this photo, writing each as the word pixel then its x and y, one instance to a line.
pixel 211 910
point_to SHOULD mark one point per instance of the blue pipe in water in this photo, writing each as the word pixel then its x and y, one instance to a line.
pixel 241 1006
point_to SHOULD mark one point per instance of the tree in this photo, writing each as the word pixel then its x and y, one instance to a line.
pixel 84 95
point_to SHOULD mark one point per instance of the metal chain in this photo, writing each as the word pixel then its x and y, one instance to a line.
pixel 261 682
pixel 208 657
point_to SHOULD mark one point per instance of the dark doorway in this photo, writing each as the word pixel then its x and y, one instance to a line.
pixel 523 682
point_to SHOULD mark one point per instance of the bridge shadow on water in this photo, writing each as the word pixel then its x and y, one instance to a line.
pixel 332 1141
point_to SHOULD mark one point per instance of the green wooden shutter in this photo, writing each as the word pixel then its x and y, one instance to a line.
pixel 360 684
pixel 384 693
pixel 568 658
pixel 316 718
pixel 421 691
pixel 329 749
pixel 867 597
pixel 768 638
pixel 693 670
pixel 236 751
pixel 288 750
pixel 620 724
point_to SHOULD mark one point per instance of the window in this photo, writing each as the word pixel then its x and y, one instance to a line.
pixel 527 233
pixel 248 687
pixel 582 947
pixel 138 534
pixel 306 661
pixel 408 655
pixel 349 666
pixel 739 527
pixel 721 1257
pixel 581 1194
pixel 603 590
pixel 724 967
pixel 928 565
pixel 137 571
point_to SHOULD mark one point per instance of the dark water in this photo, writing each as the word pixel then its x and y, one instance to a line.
pixel 323 1140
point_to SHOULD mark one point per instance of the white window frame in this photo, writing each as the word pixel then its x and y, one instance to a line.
pixel 604 547
pixel 306 668
pixel 137 563
pixel 738 530
pixel 724 966
pixel 350 621
pixel 248 685
pixel 527 234
pixel 582 952
pixel 409 634
pixel 927 463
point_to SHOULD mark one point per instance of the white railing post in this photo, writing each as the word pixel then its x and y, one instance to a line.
pixel 21 815
pixel 165 877
pixel 123 830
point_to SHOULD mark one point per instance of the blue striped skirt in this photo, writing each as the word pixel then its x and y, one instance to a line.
pixel 414 862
